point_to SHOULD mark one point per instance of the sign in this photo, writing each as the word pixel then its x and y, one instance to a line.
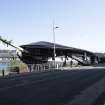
pixel 3 66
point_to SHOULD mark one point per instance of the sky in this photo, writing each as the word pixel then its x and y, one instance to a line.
pixel 81 22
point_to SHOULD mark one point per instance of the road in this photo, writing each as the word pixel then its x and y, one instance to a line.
pixel 48 88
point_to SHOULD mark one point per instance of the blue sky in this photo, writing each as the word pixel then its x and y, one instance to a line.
pixel 81 22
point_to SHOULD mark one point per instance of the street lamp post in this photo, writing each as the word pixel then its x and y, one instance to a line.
pixel 54 42
pixel 54 27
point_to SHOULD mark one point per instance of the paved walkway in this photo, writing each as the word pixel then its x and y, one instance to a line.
pixel 82 67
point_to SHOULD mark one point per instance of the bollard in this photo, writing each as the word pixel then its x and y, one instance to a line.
pixel 17 70
pixel 3 73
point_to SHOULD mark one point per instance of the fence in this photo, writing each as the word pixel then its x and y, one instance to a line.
pixel 45 66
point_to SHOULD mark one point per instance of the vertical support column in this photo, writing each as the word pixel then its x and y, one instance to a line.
pixel 71 62
pixel 32 67
pixel 92 59
pixel 29 67
pixel 98 60
pixel 64 63
pixel 85 56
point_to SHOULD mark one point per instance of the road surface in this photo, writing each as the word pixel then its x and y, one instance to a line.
pixel 59 87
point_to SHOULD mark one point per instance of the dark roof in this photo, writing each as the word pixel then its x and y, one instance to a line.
pixel 43 44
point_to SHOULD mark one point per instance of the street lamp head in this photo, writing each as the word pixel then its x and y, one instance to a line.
pixel 56 27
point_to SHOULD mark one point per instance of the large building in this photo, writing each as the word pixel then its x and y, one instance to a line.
pixel 40 52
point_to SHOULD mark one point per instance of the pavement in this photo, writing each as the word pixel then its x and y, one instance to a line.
pixel 83 67
pixel 56 87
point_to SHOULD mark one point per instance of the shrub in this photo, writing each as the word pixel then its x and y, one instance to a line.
pixel 14 69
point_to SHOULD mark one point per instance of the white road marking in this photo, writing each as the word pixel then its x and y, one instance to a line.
pixel 90 94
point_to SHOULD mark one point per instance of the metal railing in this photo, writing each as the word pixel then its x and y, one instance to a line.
pixel 46 66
